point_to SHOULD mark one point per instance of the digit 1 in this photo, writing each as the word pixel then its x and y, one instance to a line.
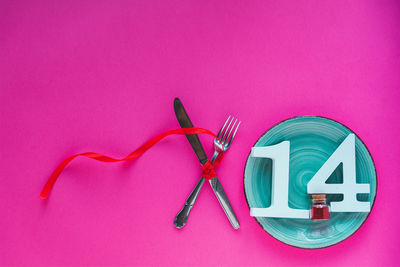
pixel 279 154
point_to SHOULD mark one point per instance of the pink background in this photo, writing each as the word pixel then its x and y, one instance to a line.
pixel 101 76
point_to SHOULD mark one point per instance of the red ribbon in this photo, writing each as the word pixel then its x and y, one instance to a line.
pixel 208 171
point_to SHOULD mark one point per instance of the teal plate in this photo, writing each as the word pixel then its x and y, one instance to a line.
pixel 312 141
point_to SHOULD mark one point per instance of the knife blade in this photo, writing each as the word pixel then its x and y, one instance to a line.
pixel 185 122
pixel 182 216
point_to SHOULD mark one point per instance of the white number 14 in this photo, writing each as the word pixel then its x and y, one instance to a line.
pixel 279 207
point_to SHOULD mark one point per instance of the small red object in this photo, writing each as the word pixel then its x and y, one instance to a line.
pixel 208 171
pixel 319 209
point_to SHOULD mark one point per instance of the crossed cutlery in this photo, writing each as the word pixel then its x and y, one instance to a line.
pixel 226 135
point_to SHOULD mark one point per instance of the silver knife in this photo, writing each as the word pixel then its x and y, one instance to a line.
pixel 182 216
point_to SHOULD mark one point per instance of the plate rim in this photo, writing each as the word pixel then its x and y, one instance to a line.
pixel 321 117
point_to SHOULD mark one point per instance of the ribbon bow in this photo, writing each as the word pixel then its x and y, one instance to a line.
pixel 208 171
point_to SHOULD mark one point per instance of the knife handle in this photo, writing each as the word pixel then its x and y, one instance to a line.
pixel 182 216
pixel 223 200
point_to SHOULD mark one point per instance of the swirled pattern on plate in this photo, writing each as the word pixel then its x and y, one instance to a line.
pixel 312 141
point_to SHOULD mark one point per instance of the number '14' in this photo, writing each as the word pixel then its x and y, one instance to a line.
pixel 345 153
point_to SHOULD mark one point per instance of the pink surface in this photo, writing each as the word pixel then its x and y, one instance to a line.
pixel 101 76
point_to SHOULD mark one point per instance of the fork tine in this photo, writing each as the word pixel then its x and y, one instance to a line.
pixel 233 126
pixel 225 133
pixel 234 133
pixel 222 128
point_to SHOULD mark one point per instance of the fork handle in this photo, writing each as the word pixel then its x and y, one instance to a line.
pixel 182 216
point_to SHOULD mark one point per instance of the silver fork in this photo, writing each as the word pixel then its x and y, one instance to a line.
pixel 226 136
pixel 223 135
